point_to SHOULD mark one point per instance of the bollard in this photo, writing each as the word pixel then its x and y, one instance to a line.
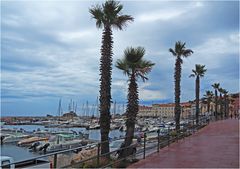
pixel 98 154
pixel 158 140
pixel 55 161
pixel 144 146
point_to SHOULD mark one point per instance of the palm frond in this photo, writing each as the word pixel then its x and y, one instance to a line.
pixel 216 85
pixel 221 90
pixel 122 65
pixel 187 52
pixel 109 10
pixel 180 50
pixel 133 55
pixel 192 75
pixel 199 70
pixel 172 51
pixel 143 68
pixel 132 62
pixel 121 21
pixel 97 14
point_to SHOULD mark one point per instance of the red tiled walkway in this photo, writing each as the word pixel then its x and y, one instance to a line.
pixel 215 146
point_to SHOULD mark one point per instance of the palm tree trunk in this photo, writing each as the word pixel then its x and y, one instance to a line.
pixel 225 106
pixel 131 114
pixel 216 104
pixel 177 77
pixel 208 105
pixel 197 98
pixel 105 87
pixel 221 106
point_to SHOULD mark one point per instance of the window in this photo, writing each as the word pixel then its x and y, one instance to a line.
pixel 5 163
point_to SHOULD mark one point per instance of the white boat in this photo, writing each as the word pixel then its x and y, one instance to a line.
pixel 94 127
pixel 29 141
pixel 13 138
pixel 123 128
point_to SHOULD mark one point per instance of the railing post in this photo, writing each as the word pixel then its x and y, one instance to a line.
pixel 55 161
pixel 168 136
pixel 144 145
pixel 158 140
pixel 177 136
pixel 98 154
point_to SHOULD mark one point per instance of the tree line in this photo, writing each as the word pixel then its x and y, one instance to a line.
pixel 108 16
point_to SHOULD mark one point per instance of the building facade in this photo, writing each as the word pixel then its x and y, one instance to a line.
pixel 164 111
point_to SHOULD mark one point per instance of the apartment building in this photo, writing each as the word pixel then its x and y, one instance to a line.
pixel 164 111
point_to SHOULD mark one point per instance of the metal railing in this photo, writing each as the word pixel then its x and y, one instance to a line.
pixel 154 145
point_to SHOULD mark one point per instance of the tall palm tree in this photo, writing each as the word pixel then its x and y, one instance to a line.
pixel 209 96
pixel 179 52
pixel 225 92
pixel 198 73
pixel 216 86
pixel 221 90
pixel 134 66
pixel 107 16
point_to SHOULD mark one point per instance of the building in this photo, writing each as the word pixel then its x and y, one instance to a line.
pixel 186 109
pixel 69 116
pixel 164 111
pixel 145 111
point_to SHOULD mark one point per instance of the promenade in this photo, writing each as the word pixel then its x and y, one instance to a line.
pixel 214 146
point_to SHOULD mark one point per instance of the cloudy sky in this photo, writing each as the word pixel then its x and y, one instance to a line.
pixel 50 50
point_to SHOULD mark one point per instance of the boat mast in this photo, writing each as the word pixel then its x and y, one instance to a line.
pixel 73 106
pixel 76 108
pixel 87 110
pixel 83 110
pixel 59 108
pixel 97 114
pixel 114 108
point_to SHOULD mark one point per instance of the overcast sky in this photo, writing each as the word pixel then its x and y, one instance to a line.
pixel 51 50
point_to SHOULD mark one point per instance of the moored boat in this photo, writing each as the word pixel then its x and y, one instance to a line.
pixel 31 140
pixel 13 138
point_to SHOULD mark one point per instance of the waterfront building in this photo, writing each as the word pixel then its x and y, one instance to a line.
pixel 69 116
pixel 164 111
pixel 145 111
pixel 186 109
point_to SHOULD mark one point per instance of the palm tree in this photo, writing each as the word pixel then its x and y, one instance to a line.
pixel 216 86
pixel 198 73
pixel 221 90
pixel 107 16
pixel 225 92
pixel 209 96
pixel 134 66
pixel 179 52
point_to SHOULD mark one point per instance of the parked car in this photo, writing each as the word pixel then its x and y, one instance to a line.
pixel 116 145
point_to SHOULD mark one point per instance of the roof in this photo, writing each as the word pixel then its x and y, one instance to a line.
pixel 144 107
pixel 165 105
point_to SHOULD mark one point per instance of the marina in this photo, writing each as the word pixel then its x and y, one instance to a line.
pixel 40 139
